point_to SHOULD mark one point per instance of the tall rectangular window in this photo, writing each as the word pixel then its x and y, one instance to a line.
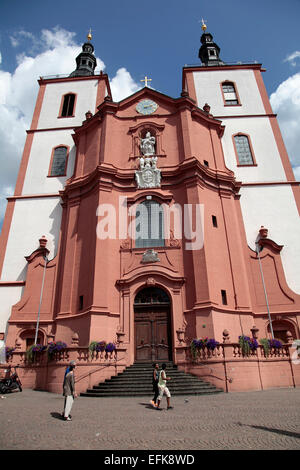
pixel 243 150
pixel 229 93
pixel 59 161
pixel 149 231
pixel 68 105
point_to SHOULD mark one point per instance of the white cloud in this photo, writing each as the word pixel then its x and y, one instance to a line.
pixel 291 58
pixel 55 53
pixel 122 85
pixel 285 102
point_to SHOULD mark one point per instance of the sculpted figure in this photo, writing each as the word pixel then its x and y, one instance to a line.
pixel 154 161
pixel 142 163
pixel 148 145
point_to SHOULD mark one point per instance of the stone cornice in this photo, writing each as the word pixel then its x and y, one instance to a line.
pixel 190 171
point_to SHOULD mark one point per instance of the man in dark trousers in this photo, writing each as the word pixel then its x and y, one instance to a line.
pixel 155 377
pixel 69 391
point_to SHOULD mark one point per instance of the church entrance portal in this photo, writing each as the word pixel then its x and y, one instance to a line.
pixel 152 326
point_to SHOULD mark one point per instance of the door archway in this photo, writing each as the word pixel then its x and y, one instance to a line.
pixel 281 328
pixel 152 325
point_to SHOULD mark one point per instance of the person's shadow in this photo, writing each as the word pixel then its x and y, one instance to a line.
pixel 147 405
pixel 56 415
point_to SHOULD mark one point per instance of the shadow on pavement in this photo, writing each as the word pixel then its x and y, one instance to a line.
pixel 56 415
pixel 276 431
pixel 147 405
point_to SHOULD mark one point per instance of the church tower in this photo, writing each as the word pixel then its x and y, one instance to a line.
pixel 47 163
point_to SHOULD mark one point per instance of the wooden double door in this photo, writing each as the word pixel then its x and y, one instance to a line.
pixel 152 333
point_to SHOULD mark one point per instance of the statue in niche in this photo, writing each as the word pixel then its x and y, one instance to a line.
pixel 147 145
pixel 148 175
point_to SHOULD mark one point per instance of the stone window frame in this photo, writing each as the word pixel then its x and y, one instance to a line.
pixel 233 84
pixel 52 160
pixel 62 103
pixel 240 134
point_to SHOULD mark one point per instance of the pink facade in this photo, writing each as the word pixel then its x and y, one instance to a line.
pixel 91 286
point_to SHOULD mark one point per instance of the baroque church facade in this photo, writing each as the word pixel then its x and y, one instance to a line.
pixel 152 221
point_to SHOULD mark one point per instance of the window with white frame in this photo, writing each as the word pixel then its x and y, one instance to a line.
pixel 229 92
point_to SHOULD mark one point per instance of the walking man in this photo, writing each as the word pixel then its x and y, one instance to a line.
pixel 163 389
pixel 69 391
pixel 155 378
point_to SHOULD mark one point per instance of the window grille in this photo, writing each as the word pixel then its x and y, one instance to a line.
pixel 229 92
pixel 149 230
pixel 243 150
pixel 58 167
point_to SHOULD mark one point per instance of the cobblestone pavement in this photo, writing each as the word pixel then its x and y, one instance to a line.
pixel 262 420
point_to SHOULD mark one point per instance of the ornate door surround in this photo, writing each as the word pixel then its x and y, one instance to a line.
pixel 152 325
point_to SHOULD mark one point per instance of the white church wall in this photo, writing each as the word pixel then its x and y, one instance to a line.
pixel 274 207
pixel 86 91
pixel 9 296
pixel 208 90
pixel 32 219
pixel 36 179
pixel 269 165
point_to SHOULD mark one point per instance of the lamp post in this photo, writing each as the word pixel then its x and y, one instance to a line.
pixel 41 297
pixel 264 286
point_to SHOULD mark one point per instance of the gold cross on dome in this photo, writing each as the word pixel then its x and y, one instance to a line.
pixel 146 80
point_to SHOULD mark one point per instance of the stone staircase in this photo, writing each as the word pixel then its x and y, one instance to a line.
pixel 136 380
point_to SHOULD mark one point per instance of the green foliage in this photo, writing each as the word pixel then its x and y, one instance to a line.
pixel 244 345
pixel 194 350
pixel 92 347
pixel 29 354
pixel 33 350
pixel 266 345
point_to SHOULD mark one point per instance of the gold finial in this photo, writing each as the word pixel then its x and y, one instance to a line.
pixel 89 36
pixel 204 27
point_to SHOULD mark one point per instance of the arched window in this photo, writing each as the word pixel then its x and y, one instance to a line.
pixel 58 164
pixel 149 226
pixel 67 109
pixel 229 93
pixel 243 150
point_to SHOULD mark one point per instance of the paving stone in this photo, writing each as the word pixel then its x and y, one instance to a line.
pixel 262 420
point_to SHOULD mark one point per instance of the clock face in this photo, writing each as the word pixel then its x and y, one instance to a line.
pixel 146 107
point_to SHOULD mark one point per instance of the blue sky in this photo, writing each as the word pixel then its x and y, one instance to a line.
pixel 135 38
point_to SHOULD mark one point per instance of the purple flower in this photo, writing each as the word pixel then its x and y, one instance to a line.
pixel 275 343
pixel 199 343
pixel 56 347
pixel 253 344
pixel 212 344
pixel 100 346
pixel 38 348
pixel 110 347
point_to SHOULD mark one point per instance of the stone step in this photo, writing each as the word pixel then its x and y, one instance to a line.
pixel 135 393
pixel 136 380
pixel 179 380
pixel 147 377
pixel 146 387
